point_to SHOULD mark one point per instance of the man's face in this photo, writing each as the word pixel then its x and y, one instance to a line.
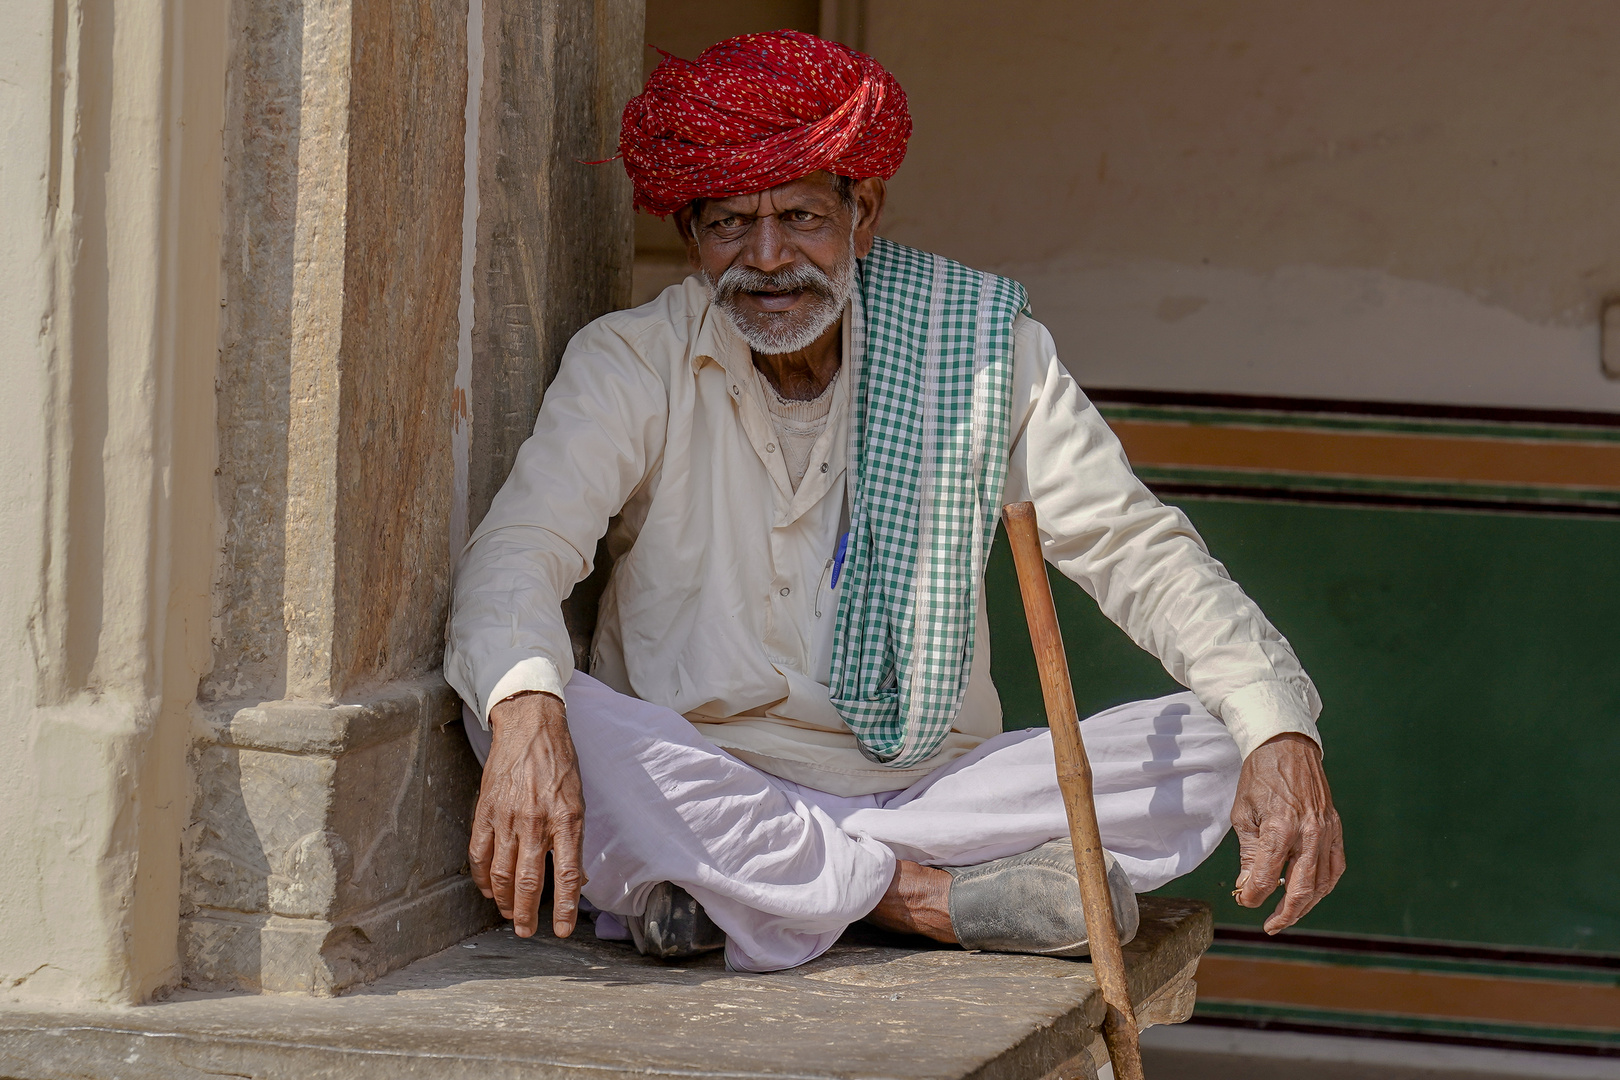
pixel 781 262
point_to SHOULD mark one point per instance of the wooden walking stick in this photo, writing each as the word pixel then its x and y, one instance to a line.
pixel 1074 780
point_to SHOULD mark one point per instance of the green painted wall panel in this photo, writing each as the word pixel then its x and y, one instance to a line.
pixel 1468 667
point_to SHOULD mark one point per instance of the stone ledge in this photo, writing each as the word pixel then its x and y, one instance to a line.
pixel 329 728
pixel 505 1009
pixel 229 950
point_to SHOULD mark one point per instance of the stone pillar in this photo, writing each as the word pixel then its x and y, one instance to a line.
pixel 328 826
pixel 334 789
pixel 555 243
pixel 845 21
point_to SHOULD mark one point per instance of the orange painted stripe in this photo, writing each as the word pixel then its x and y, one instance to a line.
pixel 1372 454
pixel 1410 993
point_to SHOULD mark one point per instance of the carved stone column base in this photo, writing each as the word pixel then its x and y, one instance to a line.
pixel 328 842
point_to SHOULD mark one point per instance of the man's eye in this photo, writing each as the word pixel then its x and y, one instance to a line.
pixel 800 216
pixel 727 223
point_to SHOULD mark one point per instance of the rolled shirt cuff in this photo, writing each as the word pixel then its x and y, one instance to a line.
pixel 1264 710
pixel 521 672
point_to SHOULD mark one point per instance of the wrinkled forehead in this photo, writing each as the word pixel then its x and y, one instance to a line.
pixel 820 191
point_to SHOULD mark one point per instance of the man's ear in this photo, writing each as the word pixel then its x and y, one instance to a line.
pixel 683 225
pixel 869 194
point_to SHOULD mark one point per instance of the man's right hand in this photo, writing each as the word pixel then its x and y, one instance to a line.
pixel 529 803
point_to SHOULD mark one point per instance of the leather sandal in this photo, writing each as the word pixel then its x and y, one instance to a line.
pixel 1030 903
pixel 673 926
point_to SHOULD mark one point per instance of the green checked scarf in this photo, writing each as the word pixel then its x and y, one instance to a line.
pixel 928 457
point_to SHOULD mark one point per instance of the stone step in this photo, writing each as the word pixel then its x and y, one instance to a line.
pixel 497 1007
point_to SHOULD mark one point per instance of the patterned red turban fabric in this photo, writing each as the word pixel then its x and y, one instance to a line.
pixel 757 111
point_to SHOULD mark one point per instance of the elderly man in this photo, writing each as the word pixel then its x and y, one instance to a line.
pixel 798 457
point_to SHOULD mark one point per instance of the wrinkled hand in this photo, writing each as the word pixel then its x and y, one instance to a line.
pixel 529 803
pixel 1284 814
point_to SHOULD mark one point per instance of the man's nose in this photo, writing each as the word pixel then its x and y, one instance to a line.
pixel 767 249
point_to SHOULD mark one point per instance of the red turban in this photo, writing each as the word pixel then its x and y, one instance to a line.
pixel 757 111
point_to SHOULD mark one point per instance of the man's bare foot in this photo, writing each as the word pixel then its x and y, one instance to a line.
pixel 917 902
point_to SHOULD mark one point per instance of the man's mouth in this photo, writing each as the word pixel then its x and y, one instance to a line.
pixel 773 300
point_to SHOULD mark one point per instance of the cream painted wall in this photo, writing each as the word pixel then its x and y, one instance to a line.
pixel 27 277
pixel 1381 199
pixel 1389 200
pixel 109 199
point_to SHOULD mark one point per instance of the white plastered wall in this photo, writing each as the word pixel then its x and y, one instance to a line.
pixel 1384 200
pixel 109 213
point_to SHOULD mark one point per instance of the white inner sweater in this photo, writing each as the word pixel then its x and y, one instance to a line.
pixel 798 424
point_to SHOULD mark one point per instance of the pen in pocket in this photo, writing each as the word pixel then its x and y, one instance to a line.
pixel 838 558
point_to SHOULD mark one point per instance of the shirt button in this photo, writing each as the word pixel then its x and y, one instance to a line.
pixel 786 590
pixel 823 466
pixel 770 448
pixel 734 390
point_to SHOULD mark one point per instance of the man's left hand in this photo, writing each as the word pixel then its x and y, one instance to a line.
pixel 1284 815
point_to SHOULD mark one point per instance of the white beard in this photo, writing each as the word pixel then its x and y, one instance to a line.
pixel 772 333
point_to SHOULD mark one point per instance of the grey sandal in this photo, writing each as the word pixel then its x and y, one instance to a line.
pixel 674 925
pixel 1030 903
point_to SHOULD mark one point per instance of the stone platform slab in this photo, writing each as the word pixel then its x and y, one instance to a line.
pixel 500 1008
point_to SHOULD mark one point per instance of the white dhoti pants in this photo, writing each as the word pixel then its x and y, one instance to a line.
pixel 783 868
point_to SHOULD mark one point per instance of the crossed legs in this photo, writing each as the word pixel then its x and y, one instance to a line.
pixel 783 868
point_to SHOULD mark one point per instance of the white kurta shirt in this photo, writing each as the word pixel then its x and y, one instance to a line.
pixel 720 605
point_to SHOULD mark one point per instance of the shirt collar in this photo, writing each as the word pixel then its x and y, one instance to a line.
pixel 719 342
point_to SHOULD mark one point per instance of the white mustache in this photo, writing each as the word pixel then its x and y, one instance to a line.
pixel 741 279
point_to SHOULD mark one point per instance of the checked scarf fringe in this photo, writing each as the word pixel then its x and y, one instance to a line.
pixel 934 340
